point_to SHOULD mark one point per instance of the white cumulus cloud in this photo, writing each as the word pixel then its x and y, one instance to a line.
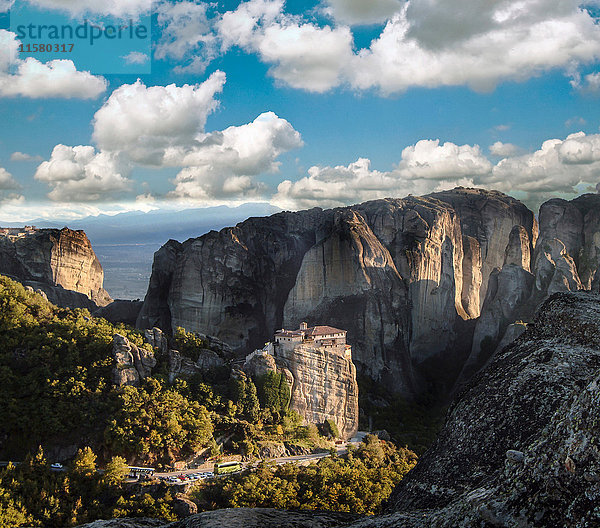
pixel 34 79
pixel 515 44
pixel 424 167
pixel 6 180
pixel 425 43
pixel 504 150
pixel 187 35
pixel 224 164
pixel 301 54
pixel 145 121
pixel 564 167
pixel 80 174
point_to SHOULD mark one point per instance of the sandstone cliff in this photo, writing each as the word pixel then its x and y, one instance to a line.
pixel 322 382
pixel 405 277
pixel 566 257
pixel 55 260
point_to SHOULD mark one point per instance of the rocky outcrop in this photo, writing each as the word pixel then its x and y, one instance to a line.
pixel 519 444
pixel 55 260
pixel 568 248
pixel 58 296
pixel 489 217
pixel 324 386
pixel 264 517
pixel 125 523
pixel 184 507
pixel 179 365
pixel 577 225
pixel 132 364
pixel 322 382
pixel 402 275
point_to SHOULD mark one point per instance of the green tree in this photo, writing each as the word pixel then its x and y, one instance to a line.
pixel 84 463
pixel 274 391
pixel 330 428
pixel 115 471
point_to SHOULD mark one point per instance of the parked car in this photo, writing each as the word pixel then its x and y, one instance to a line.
pixel 56 466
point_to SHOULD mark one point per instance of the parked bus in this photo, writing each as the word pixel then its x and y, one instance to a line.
pixel 227 467
pixel 136 472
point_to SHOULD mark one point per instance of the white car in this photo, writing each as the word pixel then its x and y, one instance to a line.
pixel 56 466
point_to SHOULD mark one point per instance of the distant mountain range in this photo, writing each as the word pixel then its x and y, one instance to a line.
pixel 156 227
pixel 125 243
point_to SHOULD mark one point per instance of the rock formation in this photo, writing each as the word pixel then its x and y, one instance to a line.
pixel 566 257
pixel 57 262
pixel 132 364
pixel 404 276
pixel 120 311
pixel 322 380
pixel 519 445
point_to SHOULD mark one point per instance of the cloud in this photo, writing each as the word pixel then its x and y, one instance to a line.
pixel 589 84
pixel 7 182
pixel 507 41
pixel 118 8
pixel 80 174
pixel 186 31
pixel 426 43
pixel 136 57
pixel 34 79
pixel 163 127
pixel 428 159
pixel 145 121
pixel 302 55
pixel 559 167
pixel 224 164
pixel 5 5
pixel 21 156
pixel 424 167
pixel 359 12
pixel 504 150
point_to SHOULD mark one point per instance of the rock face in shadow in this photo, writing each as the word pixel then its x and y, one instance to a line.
pixel 405 277
pixel 55 260
pixel 120 311
pixel 519 447
pixel 566 257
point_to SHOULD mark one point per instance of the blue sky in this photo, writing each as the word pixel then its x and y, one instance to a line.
pixel 298 104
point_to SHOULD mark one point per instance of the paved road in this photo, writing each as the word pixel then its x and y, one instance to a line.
pixel 298 459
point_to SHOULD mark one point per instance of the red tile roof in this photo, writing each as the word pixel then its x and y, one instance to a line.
pixel 323 330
